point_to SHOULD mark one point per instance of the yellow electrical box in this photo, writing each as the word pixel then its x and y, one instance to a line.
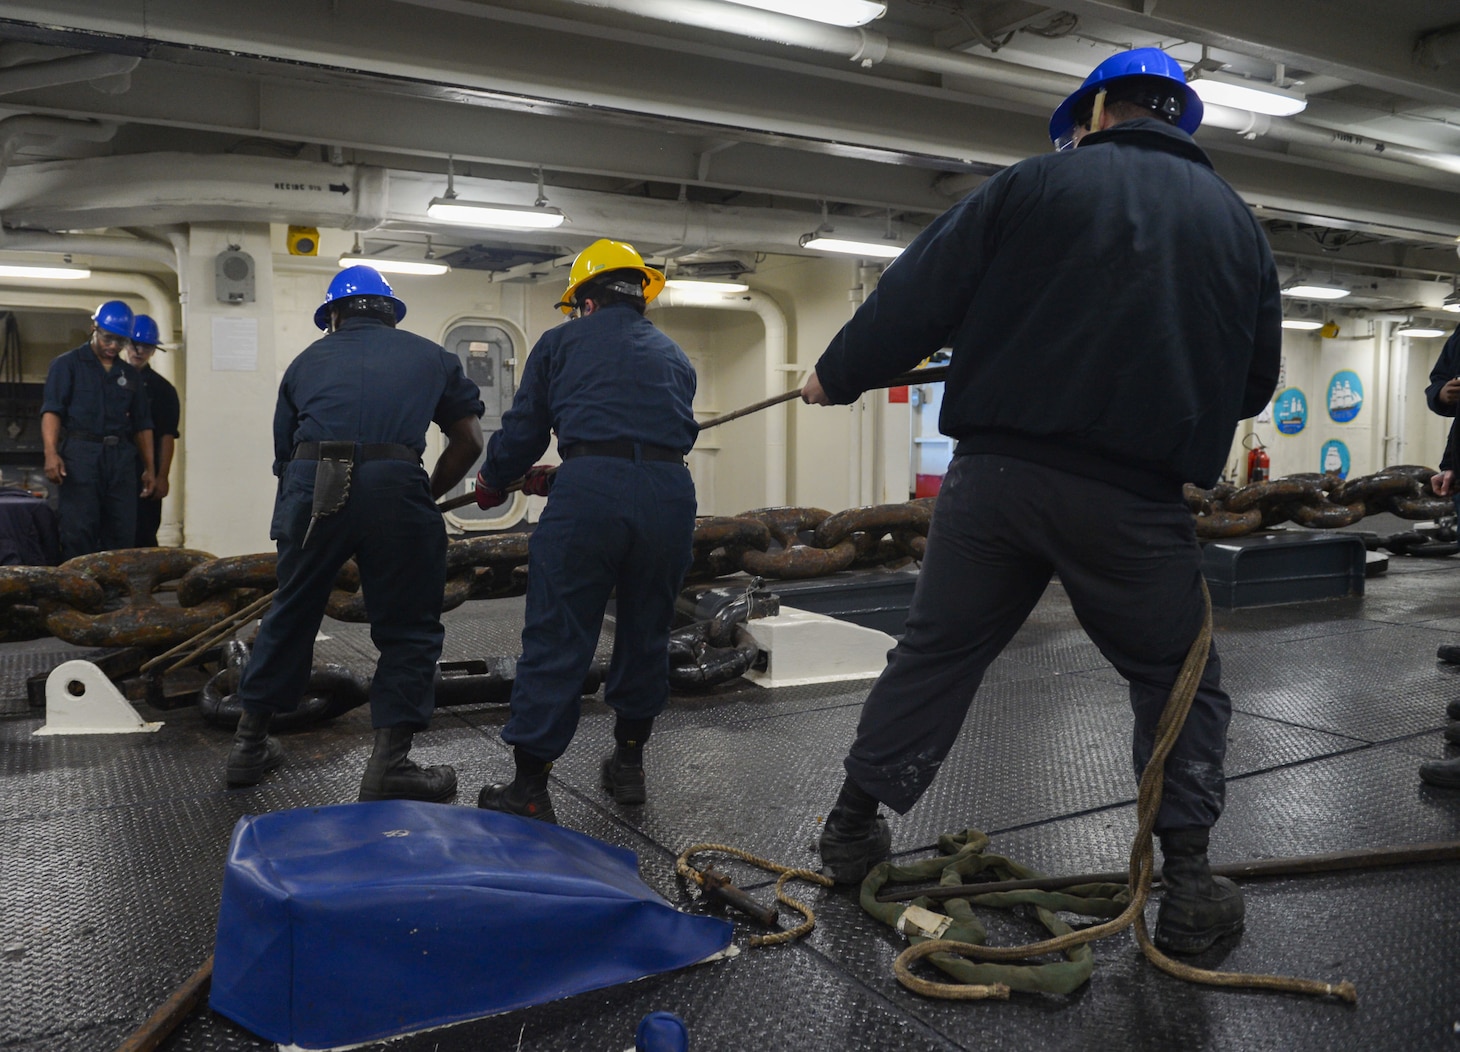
pixel 303 241
pixel 1329 330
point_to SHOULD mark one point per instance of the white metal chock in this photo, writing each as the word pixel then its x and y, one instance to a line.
pixel 80 699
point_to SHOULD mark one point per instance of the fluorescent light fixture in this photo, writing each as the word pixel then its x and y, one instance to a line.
pixel 1223 89
pixel 875 249
pixel 832 12
pixel 1315 292
pixel 424 267
pixel 19 270
pixel 1419 331
pixel 694 285
pixel 1305 324
pixel 494 216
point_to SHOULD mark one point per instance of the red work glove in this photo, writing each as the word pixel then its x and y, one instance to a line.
pixel 487 497
pixel 539 480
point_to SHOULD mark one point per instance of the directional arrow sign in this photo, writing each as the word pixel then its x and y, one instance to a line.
pixel 340 188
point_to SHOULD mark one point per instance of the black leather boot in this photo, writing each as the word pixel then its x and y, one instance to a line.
pixel 1452 732
pixel 855 837
pixel 254 753
pixel 1449 653
pixel 1443 773
pixel 1452 710
pixel 389 775
pixel 1197 908
pixel 525 795
pixel 622 777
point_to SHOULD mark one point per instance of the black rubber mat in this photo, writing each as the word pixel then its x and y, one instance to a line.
pixel 111 846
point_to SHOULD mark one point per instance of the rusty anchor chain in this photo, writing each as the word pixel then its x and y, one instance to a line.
pixel 1315 501
pixel 109 599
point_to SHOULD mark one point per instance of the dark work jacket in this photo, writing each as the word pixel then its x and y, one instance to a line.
pixel 368 382
pixel 1112 310
pixel 166 410
pixel 1447 367
pixel 611 376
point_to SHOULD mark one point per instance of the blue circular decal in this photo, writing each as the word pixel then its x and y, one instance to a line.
pixel 1290 410
pixel 1333 458
pixel 1345 395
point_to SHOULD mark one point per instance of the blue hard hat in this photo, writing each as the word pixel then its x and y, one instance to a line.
pixel 1139 62
pixel 661 1032
pixel 144 330
pixel 114 317
pixel 359 280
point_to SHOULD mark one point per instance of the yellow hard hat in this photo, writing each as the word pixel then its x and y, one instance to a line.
pixel 605 255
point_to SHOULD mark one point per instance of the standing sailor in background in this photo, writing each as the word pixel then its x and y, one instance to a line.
pixel 349 430
pixel 93 413
pixel 620 521
pixel 1128 270
pixel 166 415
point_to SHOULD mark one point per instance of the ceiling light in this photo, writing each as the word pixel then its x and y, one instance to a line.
pixel 495 216
pixel 832 12
pixel 1316 292
pixel 19 270
pixel 1452 302
pixel 823 242
pixel 695 285
pixel 1418 331
pixel 449 208
pixel 1223 89
pixel 1306 324
pixel 395 266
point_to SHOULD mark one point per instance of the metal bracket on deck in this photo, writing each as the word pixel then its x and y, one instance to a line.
pixel 803 647
pixel 81 700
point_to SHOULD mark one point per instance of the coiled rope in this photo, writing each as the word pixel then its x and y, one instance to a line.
pixel 688 872
pixel 1148 803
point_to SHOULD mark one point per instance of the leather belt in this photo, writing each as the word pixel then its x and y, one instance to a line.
pixel 91 436
pixel 363 451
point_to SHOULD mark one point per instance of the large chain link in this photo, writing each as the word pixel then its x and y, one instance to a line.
pixel 109 599
pixel 1316 501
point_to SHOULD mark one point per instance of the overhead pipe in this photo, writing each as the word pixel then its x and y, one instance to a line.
pixel 165 187
pixel 776 343
pixel 24 129
pixel 88 245
pixel 73 69
pixel 867 48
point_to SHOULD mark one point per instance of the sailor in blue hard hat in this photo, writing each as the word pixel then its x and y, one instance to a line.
pixel 94 410
pixel 362 281
pixel 350 429
pixel 1146 77
pixel 166 416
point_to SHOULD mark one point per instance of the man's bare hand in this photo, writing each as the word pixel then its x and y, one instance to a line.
pixel 1444 483
pixel 55 468
pixel 812 392
pixel 147 483
pixel 1450 393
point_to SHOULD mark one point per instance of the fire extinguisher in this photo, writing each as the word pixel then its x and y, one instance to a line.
pixel 1257 462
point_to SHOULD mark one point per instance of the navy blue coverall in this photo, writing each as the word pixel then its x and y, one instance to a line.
pixel 100 411
pixel 166 415
pixel 616 523
pixel 370 384
pixel 1447 368
pixel 1113 312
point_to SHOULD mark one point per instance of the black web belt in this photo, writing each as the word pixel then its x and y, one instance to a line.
pixel 622 450
pixel 363 451
pixel 92 436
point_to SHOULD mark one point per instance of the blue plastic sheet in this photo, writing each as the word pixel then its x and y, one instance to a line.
pixel 346 924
